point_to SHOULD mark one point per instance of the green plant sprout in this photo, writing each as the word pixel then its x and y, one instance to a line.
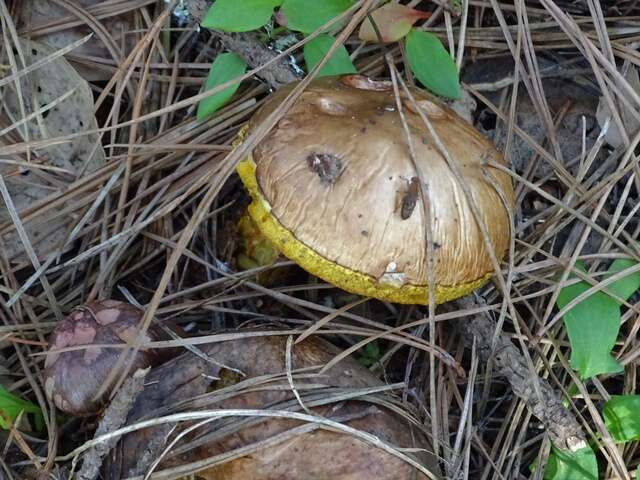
pixel 622 420
pixel 426 57
pixel 593 325
pixel 371 354
pixel 12 406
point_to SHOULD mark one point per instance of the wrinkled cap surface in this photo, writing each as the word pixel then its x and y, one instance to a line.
pixel 336 172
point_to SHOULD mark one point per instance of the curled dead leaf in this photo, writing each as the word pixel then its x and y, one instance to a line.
pixel 393 21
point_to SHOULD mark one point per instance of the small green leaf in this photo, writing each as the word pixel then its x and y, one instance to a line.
pixel 622 417
pixel 11 406
pixel 626 286
pixel 580 465
pixel 307 16
pixel 431 63
pixel 592 326
pixel 371 354
pixel 239 15
pixel 227 66
pixel 338 64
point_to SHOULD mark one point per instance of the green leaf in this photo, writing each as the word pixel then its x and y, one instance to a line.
pixel 372 350
pixel 338 64
pixel 227 66
pixel 626 286
pixel 431 63
pixel 239 15
pixel 11 406
pixel 622 417
pixel 592 326
pixel 580 465
pixel 307 16
pixel 371 354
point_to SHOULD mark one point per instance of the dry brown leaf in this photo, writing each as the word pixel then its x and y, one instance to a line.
pixel 393 22
pixel 73 114
pixel 34 14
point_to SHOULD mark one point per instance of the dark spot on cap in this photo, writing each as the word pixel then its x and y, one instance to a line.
pixel 363 130
pixel 436 245
pixel 364 233
pixel 410 198
pixel 359 215
pixel 326 165
pixel 34 51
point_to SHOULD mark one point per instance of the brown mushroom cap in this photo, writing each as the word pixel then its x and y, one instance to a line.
pixel 336 175
pixel 184 384
pixel 74 377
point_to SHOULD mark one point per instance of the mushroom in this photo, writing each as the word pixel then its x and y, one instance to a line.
pixel 268 448
pixel 73 378
pixel 335 188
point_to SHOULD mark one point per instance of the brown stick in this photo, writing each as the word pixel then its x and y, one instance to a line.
pixel 115 417
pixel 561 425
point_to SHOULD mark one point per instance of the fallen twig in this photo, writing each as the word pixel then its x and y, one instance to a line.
pixel 562 427
pixel 114 417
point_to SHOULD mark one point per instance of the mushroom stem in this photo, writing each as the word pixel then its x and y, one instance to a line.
pixel 559 422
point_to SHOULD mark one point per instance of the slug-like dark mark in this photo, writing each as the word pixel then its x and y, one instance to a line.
pixel 410 198
pixel 327 166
